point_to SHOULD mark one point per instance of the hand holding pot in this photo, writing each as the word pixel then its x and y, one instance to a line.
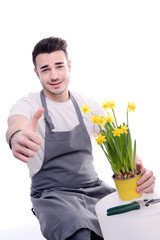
pixel 147 182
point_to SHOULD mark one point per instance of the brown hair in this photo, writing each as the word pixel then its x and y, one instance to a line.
pixel 48 45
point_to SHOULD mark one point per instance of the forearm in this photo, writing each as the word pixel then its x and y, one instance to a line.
pixel 25 143
pixel 16 122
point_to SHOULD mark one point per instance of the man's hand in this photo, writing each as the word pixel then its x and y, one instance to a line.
pixel 147 182
pixel 26 143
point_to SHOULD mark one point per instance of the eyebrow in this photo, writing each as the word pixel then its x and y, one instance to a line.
pixel 45 66
pixel 57 63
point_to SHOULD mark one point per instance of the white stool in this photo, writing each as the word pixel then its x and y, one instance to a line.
pixel 142 224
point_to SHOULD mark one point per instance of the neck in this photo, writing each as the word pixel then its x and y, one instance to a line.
pixel 61 97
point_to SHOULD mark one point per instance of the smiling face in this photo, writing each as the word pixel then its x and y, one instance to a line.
pixel 53 70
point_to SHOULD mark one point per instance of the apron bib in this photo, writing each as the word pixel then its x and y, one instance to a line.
pixel 66 188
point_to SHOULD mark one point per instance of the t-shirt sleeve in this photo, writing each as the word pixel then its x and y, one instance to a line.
pixel 23 107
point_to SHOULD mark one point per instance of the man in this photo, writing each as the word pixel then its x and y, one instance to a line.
pixel 47 131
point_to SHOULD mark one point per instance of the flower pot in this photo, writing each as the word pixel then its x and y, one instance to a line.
pixel 126 188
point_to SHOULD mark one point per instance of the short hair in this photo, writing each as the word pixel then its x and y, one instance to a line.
pixel 49 45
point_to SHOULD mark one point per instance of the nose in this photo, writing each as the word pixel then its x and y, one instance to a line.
pixel 54 75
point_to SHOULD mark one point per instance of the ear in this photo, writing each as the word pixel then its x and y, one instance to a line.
pixel 69 65
pixel 35 70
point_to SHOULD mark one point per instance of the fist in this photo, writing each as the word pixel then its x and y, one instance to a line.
pixel 26 143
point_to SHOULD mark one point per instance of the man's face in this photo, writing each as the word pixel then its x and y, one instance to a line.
pixel 53 70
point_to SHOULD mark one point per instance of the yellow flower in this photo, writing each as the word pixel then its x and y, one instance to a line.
pixel 124 129
pixel 86 109
pixel 105 105
pixel 94 119
pixel 109 118
pixel 111 104
pixel 117 132
pixel 131 106
pixel 101 120
pixel 100 139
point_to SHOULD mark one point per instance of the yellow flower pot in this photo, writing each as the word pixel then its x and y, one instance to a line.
pixel 126 188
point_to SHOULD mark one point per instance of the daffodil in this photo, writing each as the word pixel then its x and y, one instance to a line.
pixel 101 120
pixel 124 129
pixel 86 109
pixel 111 104
pixel 105 105
pixel 94 119
pixel 131 106
pixel 109 118
pixel 100 139
pixel 113 138
pixel 117 132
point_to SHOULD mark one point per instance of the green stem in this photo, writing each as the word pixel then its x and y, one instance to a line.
pixel 127 118
pixel 115 118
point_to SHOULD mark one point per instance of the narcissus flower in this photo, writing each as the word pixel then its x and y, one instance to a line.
pixel 113 138
pixel 111 104
pixel 117 132
pixel 100 139
pixel 94 119
pixel 131 106
pixel 109 118
pixel 86 109
pixel 107 104
pixel 101 120
pixel 124 129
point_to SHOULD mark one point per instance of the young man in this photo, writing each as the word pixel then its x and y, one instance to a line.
pixel 47 131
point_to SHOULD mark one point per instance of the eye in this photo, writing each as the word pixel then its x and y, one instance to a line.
pixel 45 70
pixel 60 66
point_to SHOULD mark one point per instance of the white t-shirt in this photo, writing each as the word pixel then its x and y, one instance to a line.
pixel 63 115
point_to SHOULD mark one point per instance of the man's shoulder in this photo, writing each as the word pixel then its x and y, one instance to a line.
pixel 26 105
pixel 83 99
pixel 32 96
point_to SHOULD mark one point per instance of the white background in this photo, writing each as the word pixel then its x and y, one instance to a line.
pixel 114 47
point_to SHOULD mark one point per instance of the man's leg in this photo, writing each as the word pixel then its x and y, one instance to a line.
pixel 94 236
pixel 84 234
pixel 81 234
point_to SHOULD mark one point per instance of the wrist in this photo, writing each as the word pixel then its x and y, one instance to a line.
pixel 10 139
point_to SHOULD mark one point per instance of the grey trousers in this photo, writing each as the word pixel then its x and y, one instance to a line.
pixel 85 234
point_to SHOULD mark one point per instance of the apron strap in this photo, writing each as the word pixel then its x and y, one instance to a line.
pixel 47 117
pixel 78 111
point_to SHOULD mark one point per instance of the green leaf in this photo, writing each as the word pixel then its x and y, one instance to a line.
pixel 134 154
pixel 118 149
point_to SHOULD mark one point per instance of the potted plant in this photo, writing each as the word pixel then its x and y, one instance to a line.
pixel 116 142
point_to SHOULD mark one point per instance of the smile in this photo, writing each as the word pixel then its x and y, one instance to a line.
pixel 55 84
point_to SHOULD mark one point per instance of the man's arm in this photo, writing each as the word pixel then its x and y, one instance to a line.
pixel 16 122
pixel 24 143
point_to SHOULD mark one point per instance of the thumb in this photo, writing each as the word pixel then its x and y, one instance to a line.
pixel 139 165
pixel 35 119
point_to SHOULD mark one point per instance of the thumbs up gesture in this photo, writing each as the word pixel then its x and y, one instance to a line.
pixel 26 143
pixel 33 123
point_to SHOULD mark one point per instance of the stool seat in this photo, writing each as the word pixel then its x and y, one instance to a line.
pixel 138 224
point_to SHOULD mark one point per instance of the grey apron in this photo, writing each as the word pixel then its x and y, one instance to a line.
pixel 66 188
